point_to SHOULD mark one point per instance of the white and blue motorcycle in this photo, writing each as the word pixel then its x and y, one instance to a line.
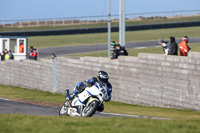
pixel 86 103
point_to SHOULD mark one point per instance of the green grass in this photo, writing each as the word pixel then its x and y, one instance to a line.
pixel 56 124
pixel 138 22
pixel 101 38
pixel 112 107
pixel 181 121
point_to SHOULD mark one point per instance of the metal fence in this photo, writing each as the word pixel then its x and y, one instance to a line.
pixel 94 19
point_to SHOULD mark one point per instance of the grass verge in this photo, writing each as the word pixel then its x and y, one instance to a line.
pixel 48 98
pixel 182 121
pixel 55 124
pixel 101 38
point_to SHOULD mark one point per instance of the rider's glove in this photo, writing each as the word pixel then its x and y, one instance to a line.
pixel 89 82
pixel 80 86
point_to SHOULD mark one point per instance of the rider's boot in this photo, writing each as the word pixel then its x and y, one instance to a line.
pixel 67 97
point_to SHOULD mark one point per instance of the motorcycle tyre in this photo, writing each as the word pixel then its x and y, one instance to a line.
pixel 93 110
pixel 61 109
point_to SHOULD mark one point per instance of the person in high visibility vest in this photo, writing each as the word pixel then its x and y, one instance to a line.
pixel 183 46
pixel 21 48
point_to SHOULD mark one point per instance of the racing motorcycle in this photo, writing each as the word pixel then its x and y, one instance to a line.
pixel 86 103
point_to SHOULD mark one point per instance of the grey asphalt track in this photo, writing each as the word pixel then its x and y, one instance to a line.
pixel 46 52
pixel 12 107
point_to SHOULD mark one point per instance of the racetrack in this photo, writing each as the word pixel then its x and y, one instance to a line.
pixel 12 107
pixel 46 52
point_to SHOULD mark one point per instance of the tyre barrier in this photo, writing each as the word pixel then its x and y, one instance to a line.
pixel 101 29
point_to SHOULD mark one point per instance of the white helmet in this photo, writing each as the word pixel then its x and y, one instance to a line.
pixel 185 38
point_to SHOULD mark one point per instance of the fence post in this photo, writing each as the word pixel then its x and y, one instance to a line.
pixel 54 82
pixel 46 22
pixel 63 21
pixel 54 22
pixel 72 20
pixel 3 23
pixel 12 23
pixel 38 22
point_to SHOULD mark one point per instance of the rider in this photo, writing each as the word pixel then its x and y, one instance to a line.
pixel 101 76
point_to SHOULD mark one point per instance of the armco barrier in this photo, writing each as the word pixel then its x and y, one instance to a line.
pixel 100 30
pixel 149 79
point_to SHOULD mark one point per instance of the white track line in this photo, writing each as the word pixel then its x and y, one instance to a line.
pixel 4 99
pixel 115 114
pixel 135 116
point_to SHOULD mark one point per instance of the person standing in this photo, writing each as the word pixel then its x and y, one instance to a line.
pixel 34 54
pixel 119 51
pixel 112 47
pixel 31 53
pixel 21 48
pixel 11 56
pixel 173 47
pixel 53 56
pixel 6 56
pixel 164 46
pixel 183 46
pixel 2 56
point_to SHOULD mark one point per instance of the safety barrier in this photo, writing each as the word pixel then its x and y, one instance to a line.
pixel 101 29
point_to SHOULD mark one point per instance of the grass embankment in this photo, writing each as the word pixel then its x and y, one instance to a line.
pixel 182 121
pixel 34 124
pixel 75 26
pixel 101 38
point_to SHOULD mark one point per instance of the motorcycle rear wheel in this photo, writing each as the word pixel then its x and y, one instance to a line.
pixel 89 110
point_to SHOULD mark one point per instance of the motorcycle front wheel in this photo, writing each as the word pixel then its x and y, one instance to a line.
pixel 89 110
pixel 63 110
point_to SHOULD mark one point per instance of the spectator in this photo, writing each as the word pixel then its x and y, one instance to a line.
pixel 2 56
pixel 119 51
pixel 31 53
pixel 53 57
pixel 11 56
pixel 6 56
pixel 34 54
pixel 113 46
pixel 183 46
pixel 21 48
pixel 164 46
pixel 5 51
pixel 173 47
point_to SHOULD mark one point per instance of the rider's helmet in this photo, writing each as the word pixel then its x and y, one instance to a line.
pixel 185 38
pixel 103 76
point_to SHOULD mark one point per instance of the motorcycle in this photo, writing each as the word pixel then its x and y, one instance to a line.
pixel 86 103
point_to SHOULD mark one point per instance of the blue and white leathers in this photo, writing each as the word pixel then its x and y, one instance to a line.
pixel 86 103
pixel 91 82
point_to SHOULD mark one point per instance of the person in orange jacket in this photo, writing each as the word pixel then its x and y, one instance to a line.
pixel 21 48
pixel 183 46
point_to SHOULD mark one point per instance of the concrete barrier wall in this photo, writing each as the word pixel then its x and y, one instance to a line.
pixel 149 79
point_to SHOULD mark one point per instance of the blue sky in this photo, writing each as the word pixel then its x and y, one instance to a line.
pixel 35 9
